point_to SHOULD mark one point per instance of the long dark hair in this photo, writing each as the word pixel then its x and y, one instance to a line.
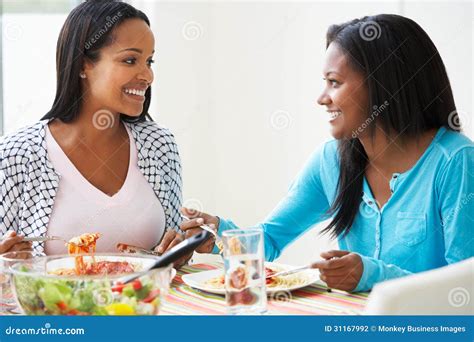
pixel 405 74
pixel 87 29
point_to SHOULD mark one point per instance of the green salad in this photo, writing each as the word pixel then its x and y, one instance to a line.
pixel 47 295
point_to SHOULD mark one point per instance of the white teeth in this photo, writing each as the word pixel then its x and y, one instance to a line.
pixel 334 114
pixel 135 92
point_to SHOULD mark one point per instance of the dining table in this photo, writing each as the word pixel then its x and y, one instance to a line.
pixel 315 299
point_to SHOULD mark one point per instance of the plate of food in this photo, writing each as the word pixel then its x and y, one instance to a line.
pixel 98 266
pixel 213 281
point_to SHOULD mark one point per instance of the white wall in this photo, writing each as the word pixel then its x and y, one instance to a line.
pixel 237 83
pixel 29 66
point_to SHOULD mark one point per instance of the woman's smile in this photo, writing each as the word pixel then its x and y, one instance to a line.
pixel 135 94
pixel 334 114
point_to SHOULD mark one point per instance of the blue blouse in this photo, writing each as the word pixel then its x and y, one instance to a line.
pixel 428 222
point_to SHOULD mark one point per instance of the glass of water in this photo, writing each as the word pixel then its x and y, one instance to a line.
pixel 6 260
pixel 244 271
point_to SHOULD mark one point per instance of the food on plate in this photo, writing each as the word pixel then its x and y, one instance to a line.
pixel 274 282
pixel 125 248
pixel 216 282
pixel 131 249
pixel 86 243
pixel 97 268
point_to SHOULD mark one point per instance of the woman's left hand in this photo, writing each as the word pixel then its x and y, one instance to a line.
pixel 340 270
pixel 171 239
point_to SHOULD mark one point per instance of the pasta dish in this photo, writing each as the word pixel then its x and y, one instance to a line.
pixel 86 243
pixel 274 282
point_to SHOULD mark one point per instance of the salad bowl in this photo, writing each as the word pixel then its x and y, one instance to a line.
pixel 49 286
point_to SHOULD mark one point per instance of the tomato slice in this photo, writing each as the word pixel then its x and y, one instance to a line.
pixel 137 284
pixel 118 287
pixel 269 281
pixel 151 296
pixel 61 305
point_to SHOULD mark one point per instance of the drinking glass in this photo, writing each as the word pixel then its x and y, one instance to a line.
pixel 244 271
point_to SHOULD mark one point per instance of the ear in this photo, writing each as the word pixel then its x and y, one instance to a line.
pixel 88 66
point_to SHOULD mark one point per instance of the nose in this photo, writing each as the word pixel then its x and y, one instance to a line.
pixel 324 99
pixel 146 74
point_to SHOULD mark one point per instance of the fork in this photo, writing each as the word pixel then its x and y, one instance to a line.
pixel 219 242
pixel 288 272
pixel 49 238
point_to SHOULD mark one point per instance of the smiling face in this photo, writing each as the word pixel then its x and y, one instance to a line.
pixel 345 95
pixel 119 79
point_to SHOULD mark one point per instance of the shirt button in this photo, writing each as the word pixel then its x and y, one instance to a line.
pixel 395 176
pixel 370 202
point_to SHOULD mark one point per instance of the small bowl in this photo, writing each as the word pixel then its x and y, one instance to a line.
pixel 39 292
pixel 6 260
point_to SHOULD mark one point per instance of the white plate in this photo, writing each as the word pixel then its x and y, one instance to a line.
pixel 198 280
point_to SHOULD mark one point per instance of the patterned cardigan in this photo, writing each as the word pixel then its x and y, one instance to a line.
pixel 28 181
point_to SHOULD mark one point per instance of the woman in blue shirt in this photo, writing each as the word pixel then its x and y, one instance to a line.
pixel 398 180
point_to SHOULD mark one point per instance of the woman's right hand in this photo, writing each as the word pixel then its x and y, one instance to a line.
pixel 12 242
pixel 191 227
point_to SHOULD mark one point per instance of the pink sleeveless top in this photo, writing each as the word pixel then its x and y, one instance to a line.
pixel 133 215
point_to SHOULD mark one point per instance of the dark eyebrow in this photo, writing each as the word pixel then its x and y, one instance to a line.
pixel 134 49
pixel 331 72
